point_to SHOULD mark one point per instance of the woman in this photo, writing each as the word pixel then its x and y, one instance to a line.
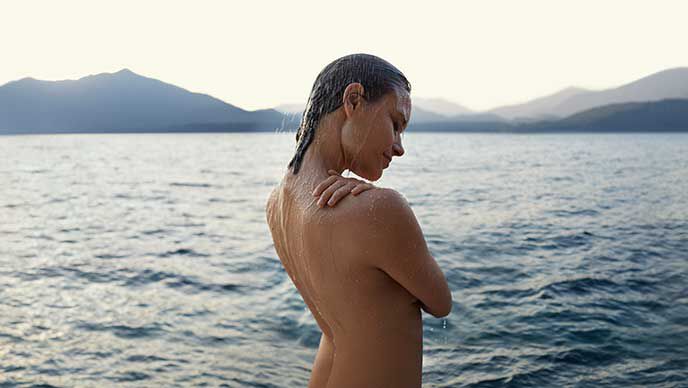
pixel 362 267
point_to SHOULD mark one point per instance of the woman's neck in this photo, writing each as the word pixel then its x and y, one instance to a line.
pixel 325 152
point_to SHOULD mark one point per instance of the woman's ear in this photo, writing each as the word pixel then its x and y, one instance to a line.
pixel 352 98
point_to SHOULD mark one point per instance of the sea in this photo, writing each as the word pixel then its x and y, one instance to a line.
pixel 144 260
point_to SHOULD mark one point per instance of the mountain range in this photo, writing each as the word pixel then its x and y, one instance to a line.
pixel 667 84
pixel 127 102
pixel 118 102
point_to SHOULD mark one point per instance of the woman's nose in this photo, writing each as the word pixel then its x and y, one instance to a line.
pixel 398 149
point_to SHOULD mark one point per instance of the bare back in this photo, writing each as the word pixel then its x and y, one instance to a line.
pixel 372 327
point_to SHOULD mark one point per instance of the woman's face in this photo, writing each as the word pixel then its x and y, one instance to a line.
pixel 373 135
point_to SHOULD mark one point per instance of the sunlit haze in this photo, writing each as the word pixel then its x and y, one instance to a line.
pixel 262 54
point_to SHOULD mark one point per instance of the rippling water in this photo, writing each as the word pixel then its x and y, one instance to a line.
pixel 144 260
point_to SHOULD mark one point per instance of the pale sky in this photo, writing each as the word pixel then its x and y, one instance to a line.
pixel 259 54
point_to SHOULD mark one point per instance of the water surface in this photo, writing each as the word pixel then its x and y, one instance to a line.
pixel 145 260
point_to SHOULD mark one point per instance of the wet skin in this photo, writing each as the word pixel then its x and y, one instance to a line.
pixel 362 266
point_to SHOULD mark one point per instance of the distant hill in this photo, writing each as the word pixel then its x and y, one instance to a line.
pixel 118 102
pixel 670 115
pixel 290 108
pixel 127 102
pixel 421 115
pixel 423 110
pixel 667 84
pixel 538 108
pixel 441 106
pixel 434 110
pixel 477 117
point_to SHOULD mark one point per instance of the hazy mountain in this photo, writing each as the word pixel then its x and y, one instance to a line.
pixel 423 110
pixel 420 115
pixel 669 115
pixel 127 102
pixel 440 106
pixel 477 117
pixel 538 108
pixel 121 101
pixel 462 126
pixel 667 84
pixel 417 114
pixel 290 108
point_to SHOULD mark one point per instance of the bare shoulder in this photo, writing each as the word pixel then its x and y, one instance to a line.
pixel 381 230
pixel 377 219
pixel 375 206
pixel 390 213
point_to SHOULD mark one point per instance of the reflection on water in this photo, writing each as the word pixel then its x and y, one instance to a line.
pixel 146 260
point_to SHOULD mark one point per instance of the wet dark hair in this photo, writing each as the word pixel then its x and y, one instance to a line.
pixel 377 76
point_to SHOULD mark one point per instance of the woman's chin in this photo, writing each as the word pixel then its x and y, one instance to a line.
pixel 369 175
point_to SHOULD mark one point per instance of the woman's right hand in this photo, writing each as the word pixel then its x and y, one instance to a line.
pixel 336 187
